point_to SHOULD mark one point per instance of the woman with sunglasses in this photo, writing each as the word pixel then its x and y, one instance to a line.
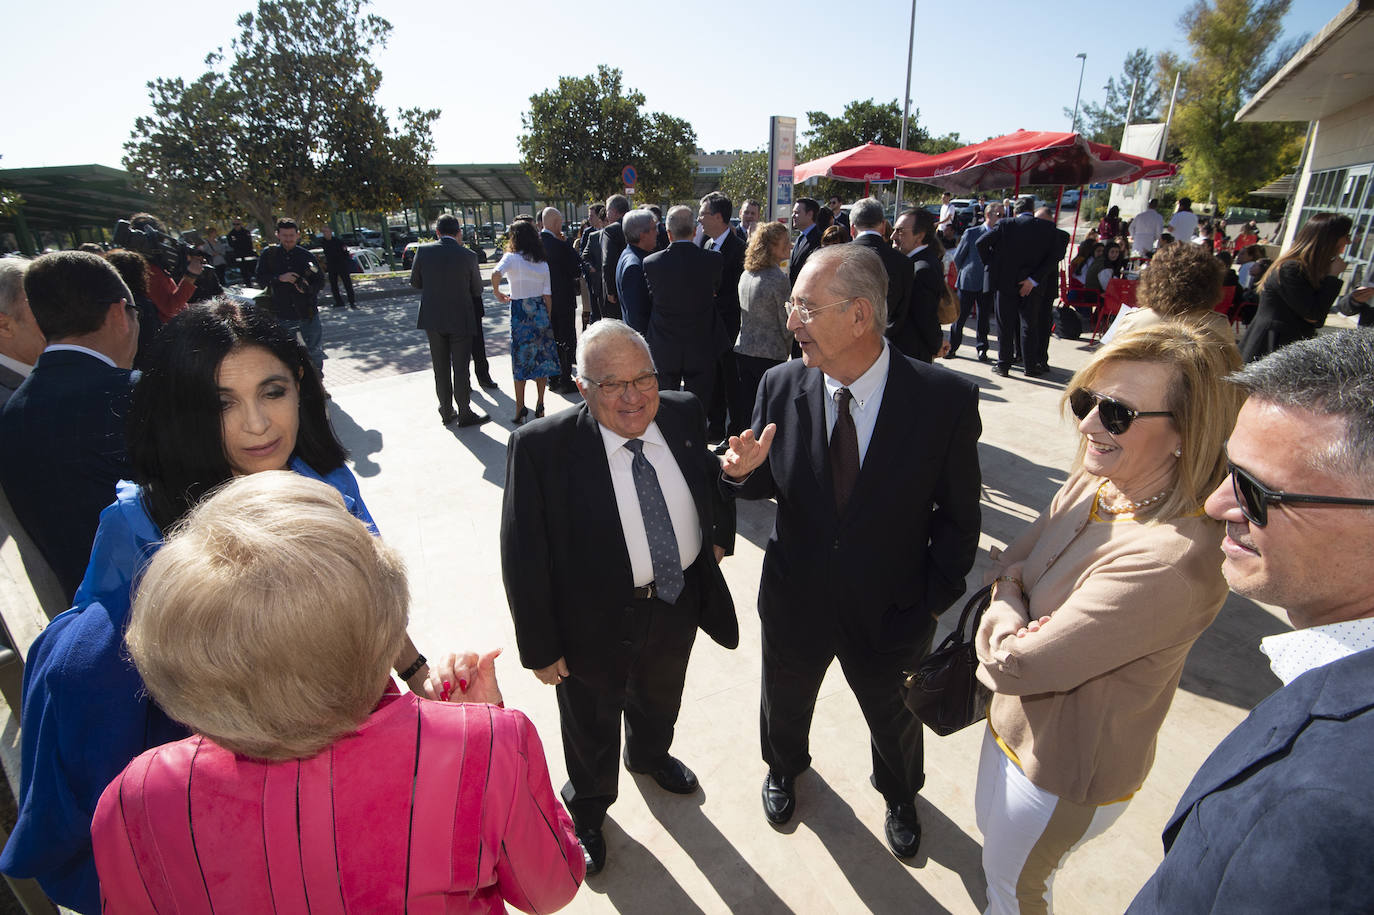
pixel 1096 604
pixel 1297 292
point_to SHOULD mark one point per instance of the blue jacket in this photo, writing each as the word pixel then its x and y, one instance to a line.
pixel 636 305
pixel 1280 818
pixel 972 277
pixel 85 712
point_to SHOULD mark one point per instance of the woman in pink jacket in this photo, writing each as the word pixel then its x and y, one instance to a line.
pixel 268 624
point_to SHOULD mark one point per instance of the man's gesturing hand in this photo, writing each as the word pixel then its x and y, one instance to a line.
pixel 554 673
pixel 746 452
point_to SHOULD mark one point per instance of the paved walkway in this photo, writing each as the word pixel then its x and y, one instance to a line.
pixel 436 492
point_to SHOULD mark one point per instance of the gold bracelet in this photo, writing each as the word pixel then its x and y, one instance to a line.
pixel 1016 581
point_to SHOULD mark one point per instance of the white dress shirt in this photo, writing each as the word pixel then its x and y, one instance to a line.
pixel 867 390
pixel 1292 654
pixel 73 348
pixel 14 365
pixel 682 510
pixel 720 239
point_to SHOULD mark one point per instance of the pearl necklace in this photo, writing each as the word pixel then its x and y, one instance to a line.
pixel 1129 506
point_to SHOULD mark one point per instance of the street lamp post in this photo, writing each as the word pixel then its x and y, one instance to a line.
pixel 906 105
pixel 1073 126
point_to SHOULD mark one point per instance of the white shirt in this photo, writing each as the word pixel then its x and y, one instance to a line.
pixel 869 232
pixel 1292 654
pixel 868 398
pixel 946 213
pixel 73 348
pixel 1145 231
pixel 682 510
pixel 527 279
pixel 720 239
pixel 14 365
pixel 1184 224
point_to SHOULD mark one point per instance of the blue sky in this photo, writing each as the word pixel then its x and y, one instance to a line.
pixel 725 67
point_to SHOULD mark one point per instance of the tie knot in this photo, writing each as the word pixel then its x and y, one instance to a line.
pixel 842 398
pixel 636 445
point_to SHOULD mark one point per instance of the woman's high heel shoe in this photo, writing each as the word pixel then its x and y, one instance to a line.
pixel 521 414
pixel 539 410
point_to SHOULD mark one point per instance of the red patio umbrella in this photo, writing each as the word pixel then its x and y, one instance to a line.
pixel 870 162
pixel 1031 157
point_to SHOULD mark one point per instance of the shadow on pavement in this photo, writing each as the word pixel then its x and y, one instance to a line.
pixel 1225 662
pixel 365 442
pixel 948 845
pixel 636 881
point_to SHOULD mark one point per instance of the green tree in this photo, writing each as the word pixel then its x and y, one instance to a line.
pixel 287 123
pixel 1103 123
pixel 863 122
pixel 746 177
pixel 1235 48
pixel 579 136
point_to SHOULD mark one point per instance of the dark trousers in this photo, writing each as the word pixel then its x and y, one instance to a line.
pixel 968 300
pixel 751 369
pixel 564 322
pixel 1044 316
pixel 479 353
pixel 641 679
pixel 792 676
pixel 723 415
pixel 594 294
pixel 450 354
pixel 334 277
pixel 701 383
pixel 1017 317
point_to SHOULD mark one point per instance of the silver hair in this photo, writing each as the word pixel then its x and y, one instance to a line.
pixel 617 204
pixel 866 214
pixel 1330 375
pixel 636 223
pixel 682 223
pixel 859 273
pixel 601 333
pixel 12 270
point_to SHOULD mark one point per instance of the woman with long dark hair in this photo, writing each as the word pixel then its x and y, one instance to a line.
pixel 1297 292
pixel 228 392
pixel 533 353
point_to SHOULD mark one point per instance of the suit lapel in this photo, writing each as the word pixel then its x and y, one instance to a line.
pixel 810 405
pixel 589 482
pixel 688 455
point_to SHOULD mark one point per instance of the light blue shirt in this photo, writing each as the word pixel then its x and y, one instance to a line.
pixel 868 399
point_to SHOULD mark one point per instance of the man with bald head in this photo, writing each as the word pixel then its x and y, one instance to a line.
pixel 565 275
pixel 872 458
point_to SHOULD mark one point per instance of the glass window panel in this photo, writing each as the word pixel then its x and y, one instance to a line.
pixel 1356 194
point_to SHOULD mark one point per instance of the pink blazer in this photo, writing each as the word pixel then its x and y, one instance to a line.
pixel 430 807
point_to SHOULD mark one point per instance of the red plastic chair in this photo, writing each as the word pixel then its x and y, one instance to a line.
pixel 1227 305
pixel 1118 293
pixel 952 277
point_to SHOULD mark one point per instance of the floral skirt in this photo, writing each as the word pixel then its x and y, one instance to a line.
pixel 532 350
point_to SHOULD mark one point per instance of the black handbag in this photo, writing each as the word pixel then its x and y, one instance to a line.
pixel 943 691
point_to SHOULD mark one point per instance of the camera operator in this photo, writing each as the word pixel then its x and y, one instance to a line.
pixel 241 246
pixel 169 295
pixel 207 282
pixel 293 276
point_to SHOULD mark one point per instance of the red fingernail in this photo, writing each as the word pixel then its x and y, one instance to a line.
pixel 462 684
pixel 447 686
pixel 443 697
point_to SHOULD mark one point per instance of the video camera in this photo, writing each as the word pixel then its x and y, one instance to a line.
pixel 162 249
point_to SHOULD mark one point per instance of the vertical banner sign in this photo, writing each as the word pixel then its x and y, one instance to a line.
pixel 782 153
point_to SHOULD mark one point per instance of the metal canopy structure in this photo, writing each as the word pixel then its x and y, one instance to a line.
pixel 472 185
pixel 69 198
pixel 1328 75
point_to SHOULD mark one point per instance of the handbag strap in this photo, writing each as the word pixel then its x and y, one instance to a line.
pixel 974 607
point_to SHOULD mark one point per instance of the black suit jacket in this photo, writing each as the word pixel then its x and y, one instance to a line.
pixel 683 280
pixel 563 555
pixel 727 296
pixel 899 553
pixel 899 279
pixel 923 334
pixel 1019 249
pixel 564 270
pixel 450 287
pixel 612 246
pixel 63 453
pixel 806 242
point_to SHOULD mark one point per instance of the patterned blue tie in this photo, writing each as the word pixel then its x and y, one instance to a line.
pixel 658 525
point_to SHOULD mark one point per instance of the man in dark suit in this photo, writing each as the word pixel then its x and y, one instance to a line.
pixel 612 246
pixel 63 429
pixel 21 341
pixel 1280 817
pixel 975 291
pixel 589 249
pixel 339 263
pixel 718 235
pixel 808 238
pixel 565 271
pixel 873 460
pixel 1018 253
pixel 1048 286
pixel 636 304
pixel 608 617
pixel 838 215
pixel 683 281
pixel 867 229
pixel 913 235
pixel 450 287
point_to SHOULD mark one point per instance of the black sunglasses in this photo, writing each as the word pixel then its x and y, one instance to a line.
pixel 1116 416
pixel 1255 498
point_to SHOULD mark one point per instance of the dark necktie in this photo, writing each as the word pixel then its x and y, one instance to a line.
pixel 844 451
pixel 710 244
pixel 658 525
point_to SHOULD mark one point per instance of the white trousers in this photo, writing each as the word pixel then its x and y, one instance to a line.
pixel 1027 833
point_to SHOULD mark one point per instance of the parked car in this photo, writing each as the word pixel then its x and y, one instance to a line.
pixel 469 231
pixel 408 255
pixel 1070 199
pixel 367 260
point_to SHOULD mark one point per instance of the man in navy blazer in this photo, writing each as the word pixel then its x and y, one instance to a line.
pixel 808 238
pixel 632 291
pixel 565 271
pixel 873 460
pixel 975 290
pixel 1020 253
pixel 450 287
pixel 867 228
pixel 1280 818
pixel 63 429
pixel 684 330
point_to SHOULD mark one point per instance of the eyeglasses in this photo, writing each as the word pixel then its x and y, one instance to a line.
pixel 643 384
pixel 1255 498
pixel 1116 416
pixel 807 312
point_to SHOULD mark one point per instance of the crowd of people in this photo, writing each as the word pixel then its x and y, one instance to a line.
pixel 215 722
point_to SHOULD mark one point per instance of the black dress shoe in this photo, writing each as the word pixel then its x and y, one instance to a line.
pixel 488 382
pixel 1001 370
pixel 593 849
pixel 472 418
pixel 903 830
pixel 982 355
pixel 447 418
pixel 779 797
pixel 670 774
pixel 1037 371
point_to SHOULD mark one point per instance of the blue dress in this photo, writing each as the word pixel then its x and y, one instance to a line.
pixel 86 714
pixel 533 353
